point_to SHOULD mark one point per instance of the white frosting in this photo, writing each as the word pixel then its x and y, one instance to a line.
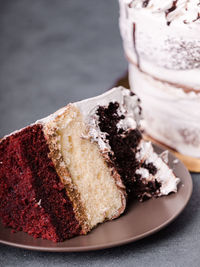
pixel 170 52
pixel 53 116
pixel 171 115
pixel 164 174
pixel 88 106
pixel 117 94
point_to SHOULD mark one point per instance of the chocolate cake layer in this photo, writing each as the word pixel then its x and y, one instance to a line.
pixel 124 145
pixel 31 195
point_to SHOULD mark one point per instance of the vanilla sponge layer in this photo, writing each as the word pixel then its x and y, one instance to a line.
pixel 99 196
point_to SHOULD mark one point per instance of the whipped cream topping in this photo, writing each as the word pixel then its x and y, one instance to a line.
pixel 162 38
pixel 164 174
pixel 171 115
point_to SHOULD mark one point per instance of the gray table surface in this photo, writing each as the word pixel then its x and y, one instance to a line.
pixel 57 51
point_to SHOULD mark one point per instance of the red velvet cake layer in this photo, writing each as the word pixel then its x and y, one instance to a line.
pixel 32 198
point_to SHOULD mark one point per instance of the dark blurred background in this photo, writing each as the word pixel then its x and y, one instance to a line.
pixel 53 52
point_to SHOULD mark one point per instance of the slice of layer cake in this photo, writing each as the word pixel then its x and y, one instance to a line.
pixel 64 174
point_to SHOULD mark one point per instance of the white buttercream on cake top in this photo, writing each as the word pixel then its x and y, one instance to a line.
pixel 184 11
pixel 164 44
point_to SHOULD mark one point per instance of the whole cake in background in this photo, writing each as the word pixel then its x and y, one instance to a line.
pixel 66 173
pixel 162 44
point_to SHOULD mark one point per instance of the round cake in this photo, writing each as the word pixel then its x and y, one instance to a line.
pixel 162 44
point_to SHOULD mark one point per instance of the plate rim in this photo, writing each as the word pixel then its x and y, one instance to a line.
pixel 114 243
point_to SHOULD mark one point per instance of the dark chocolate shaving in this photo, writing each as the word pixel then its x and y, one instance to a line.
pixel 198 17
pixel 131 93
pixel 171 9
pixel 145 3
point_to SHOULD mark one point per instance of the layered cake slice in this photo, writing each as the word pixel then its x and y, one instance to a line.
pixel 64 174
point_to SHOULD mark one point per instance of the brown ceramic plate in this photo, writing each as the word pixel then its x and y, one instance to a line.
pixel 139 221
